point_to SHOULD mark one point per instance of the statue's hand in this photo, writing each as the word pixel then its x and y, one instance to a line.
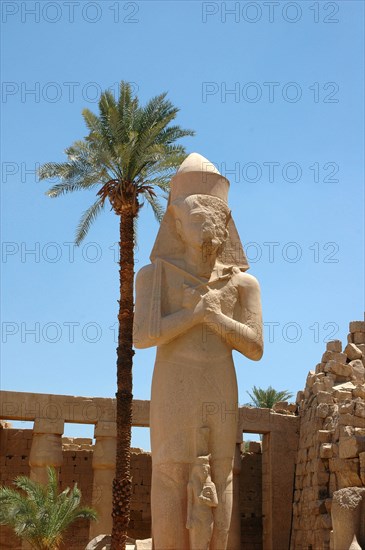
pixel 212 304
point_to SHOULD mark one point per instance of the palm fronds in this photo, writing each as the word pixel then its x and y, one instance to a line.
pixel 266 399
pixel 127 144
pixel 40 514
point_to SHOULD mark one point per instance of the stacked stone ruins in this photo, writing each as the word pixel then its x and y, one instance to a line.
pixel 331 453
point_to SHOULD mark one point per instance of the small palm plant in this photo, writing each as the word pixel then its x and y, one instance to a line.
pixel 266 399
pixel 40 514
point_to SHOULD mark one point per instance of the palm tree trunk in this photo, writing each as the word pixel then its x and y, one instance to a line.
pixel 122 484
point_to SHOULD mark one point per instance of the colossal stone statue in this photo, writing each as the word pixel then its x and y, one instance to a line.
pixel 196 304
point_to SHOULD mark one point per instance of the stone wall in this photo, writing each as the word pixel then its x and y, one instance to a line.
pixel 14 456
pixel 77 454
pixel 49 413
pixel 251 497
pixel 77 468
pixel 331 453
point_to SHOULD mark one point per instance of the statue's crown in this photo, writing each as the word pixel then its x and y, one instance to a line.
pixel 198 176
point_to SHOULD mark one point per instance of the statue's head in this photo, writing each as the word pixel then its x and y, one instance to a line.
pixel 201 466
pixel 198 216
pixel 201 222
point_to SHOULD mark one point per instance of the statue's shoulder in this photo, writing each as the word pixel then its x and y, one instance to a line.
pixel 246 280
pixel 145 274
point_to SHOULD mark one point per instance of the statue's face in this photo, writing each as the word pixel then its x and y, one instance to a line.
pixel 201 222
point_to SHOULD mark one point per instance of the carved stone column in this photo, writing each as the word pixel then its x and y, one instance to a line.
pixel 46 449
pixel 104 471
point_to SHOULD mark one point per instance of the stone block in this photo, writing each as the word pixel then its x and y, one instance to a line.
pixel 357 326
pixel 353 352
pixel 347 473
pixel 339 369
pixel 334 356
pixel 326 522
pixel 358 371
pixel 360 409
pixel 359 391
pixel 332 486
pixel 320 367
pixel 322 410
pixel 358 337
pixel 254 447
pixel 324 397
pixel 334 345
pixel 48 426
pixel 145 544
pixel 350 447
pixel 311 378
pixel 346 407
pixel 326 450
pixel 324 436
pixel 342 395
pixel 105 429
pixel 362 467
pixel 300 397
pixel 317 387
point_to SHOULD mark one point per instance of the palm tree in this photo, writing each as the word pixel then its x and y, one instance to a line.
pixel 40 514
pixel 266 399
pixel 129 151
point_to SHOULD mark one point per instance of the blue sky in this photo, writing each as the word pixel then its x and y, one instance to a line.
pixel 274 91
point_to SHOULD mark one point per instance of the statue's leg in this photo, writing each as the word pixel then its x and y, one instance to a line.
pixel 200 537
pixel 223 478
pixel 169 506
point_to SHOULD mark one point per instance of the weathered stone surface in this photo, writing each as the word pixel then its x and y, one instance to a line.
pixel 324 397
pixel 358 371
pixel 341 395
pixel 347 472
pixel 362 467
pixel 334 345
pixel 334 356
pixel 351 420
pixel 299 397
pixel 353 352
pixel 339 369
pixel 357 326
pixel 254 447
pixel 358 337
pixel 324 436
pixel 350 447
pixel 326 450
pixel 322 410
pixel 311 378
pixel 360 409
pixel 346 407
pixel 359 391
pixel 101 542
pixel 144 544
